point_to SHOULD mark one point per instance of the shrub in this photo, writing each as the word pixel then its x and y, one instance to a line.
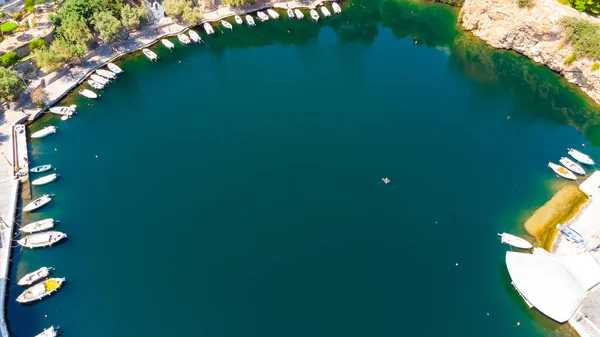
pixel 583 35
pixel 595 66
pixel 18 15
pixel 36 44
pixel 8 27
pixel 525 3
pixel 10 84
pixel 571 59
pixel 9 59
pixel 39 97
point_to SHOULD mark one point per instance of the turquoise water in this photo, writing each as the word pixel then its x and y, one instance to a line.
pixel 235 189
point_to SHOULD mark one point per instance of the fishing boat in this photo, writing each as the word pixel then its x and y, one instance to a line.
pixel 44 132
pixel 336 8
pixel 88 93
pixel 386 180
pixel 290 13
pixel 238 20
pixel 262 16
pixel 100 79
pixel 299 14
pixel 40 169
pixel 515 241
pixel 250 20
pixel 167 44
pixel 35 276
pixel 63 110
pixel 561 171
pixel 106 73
pixel 95 85
pixel 184 38
pixel 50 332
pixel 150 54
pixel 325 11
pixel 227 24
pixel 43 239
pixel 273 13
pixel 41 290
pixel 208 28
pixel 194 36
pixel 114 68
pixel 45 179
pixel 39 202
pixel 38 226
pixel 570 234
pixel 581 157
pixel 314 15
pixel 572 166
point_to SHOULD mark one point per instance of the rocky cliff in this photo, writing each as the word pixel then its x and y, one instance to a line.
pixel 534 32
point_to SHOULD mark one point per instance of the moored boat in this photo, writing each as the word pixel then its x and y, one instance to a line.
pixel 41 290
pixel 40 169
pixel 250 20
pixel 571 234
pixel 63 110
pixel 42 239
pixel 45 179
pixel 34 276
pixel 194 36
pixel 167 44
pixel 95 84
pixel 336 8
pixel 106 73
pixel 273 13
pixel 227 24
pixel 325 11
pixel 561 171
pixel 572 166
pixel 581 157
pixel 262 16
pixel 50 332
pixel 515 241
pixel 299 14
pixel 37 203
pixel 44 132
pixel 183 38
pixel 88 93
pixel 100 79
pixel 150 54
pixel 208 28
pixel 290 13
pixel 114 68
pixel 238 20
pixel 314 15
pixel 38 226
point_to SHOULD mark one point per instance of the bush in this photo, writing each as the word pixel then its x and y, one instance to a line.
pixel 525 3
pixel 595 66
pixel 8 27
pixel 36 44
pixel 18 15
pixel 10 84
pixel 29 5
pixel 39 97
pixel 583 35
pixel 9 59
pixel 571 59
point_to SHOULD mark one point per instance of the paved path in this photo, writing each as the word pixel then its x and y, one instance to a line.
pixel 8 202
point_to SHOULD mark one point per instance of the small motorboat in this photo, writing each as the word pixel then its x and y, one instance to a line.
pixel 64 110
pixel 581 157
pixel 561 171
pixel 88 93
pixel 44 132
pixel 227 24
pixel 100 79
pixel 325 11
pixel 34 276
pixel 299 14
pixel 114 68
pixel 250 20
pixel 150 54
pixel 273 13
pixel 386 180
pixel 208 28
pixel 194 36
pixel 336 8
pixel 38 226
pixel 40 169
pixel 184 38
pixel 95 84
pixel 106 73
pixel 45 179
pixel 43 239
pixel 41 290
pixel 50 332
pixel 570 234
pixel 572 166
pixel 290 13
pixel 238 20
pixel 262 16
pixel 39 202
pixel 515 241
pixel 168 44
pixel 314 15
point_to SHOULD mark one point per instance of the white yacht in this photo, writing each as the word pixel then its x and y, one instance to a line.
pixel 45 179
pixel 50 332
pixel 63 110
pixel 262 16
pixel 100 79
pixel 41 290
pixel 325 11
pixel 227 24
pixel 336 8
pixel 150 54
pixel 314 15
pixel 95 84
pixel 88 93
pixel 515 241
pixel 168 44
pixel 106 73
pixel 208 28
pixel 250 20
pixel 38 226
pixel 581 157
pixel 290 13
pixel 39 202
pixel 34 276
pixel 44 132
pixel 114 68
pixel 41 168
pixel 184 39
pixel 194 36
pixel 273 13
pixel 43 239
pixel 238 20
pixel 299 14
pixel 572 166
pixel 561 171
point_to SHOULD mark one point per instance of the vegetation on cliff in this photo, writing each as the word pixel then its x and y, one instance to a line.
pixel 584 36
pixel 588 6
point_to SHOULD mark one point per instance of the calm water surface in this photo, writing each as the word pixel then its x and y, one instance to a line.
pixel 235 189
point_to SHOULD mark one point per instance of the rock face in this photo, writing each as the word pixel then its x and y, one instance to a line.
pixel 534 32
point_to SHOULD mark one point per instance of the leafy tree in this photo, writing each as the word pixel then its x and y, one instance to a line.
pixel 175 8
pixel 80 10
pixel 36 44
pixel 131 17
pixel 67 50
pixel 107 26
pixel 54 19
pixel 10 84
pixel 238 3
pixel 193 16
pixel 113 6
pixel 29 5
pixel 39 97
pixel 9 59
pixel 75 32
pixel 46 59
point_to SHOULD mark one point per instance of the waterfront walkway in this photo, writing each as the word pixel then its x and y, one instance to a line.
pixel 8 202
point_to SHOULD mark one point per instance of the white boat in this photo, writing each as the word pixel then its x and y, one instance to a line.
pixel 325 11
pixel 571 234
pixel 194 36
pixel 314 15
pixel 227 24
pixel 581 157
pixel 515 241
pixel 106 73
pixel 41 168
pixel 43 239
pixel 184 38
pixel 208 28
pixel 41 290
pixel 299 14
pixel 88 93
pixel 38 226
pixel 238 20
pixel 63 110
pixel 45 179
pixel 290 13
pixel 114 68
pixel 150 54
pixel 44 132
pixel 95 85
pixel 100 79
pixel 273 13
pixel 572 166
pixel 250 20
pixel 262 16
pixel 167 44
pixel 561 171
pixel 35 276
pixel 50 332
pixel 336 8
pixel 39 202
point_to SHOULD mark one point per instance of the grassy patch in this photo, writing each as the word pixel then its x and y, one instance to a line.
pixel 525 3
pixel 583 35
pixel 8 27
pixel 571 59
pixel 595 66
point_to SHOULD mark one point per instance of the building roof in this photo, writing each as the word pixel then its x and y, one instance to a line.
pixel 591 186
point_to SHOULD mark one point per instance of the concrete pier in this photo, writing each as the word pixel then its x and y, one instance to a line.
pixel 8 206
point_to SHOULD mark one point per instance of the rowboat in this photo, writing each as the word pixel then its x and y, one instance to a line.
pixel 515 241
pixel 167 44
pixel 150 54
pixel 561 171
pixel 250 20
pixel 325 11
pixel 262 16
pixel 38 226
pixel 208 28
pixel 238 20
pixel 41 168
pixel 95 84
pixel 314 15
pixel 45 179
pixel 290 13
pixel 184 38
pixel 336 8
pixel 50 332
pixel 114 68
pixel 194 36
pixel 106 73
pixel 43 239
pixel 39 202
pixel 273 13
pixel 570 234
pixel 35 276
pixel 227 24
pixel 44 132
pixel 88 93
pixel 572 166
pixel 100 79
pixel 41 290
pixel 63 110
pixel 581 157
pixel 299 14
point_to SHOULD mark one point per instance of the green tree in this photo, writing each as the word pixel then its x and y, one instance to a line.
pixel 9 59
pixel 238 3
pixel 81 10
pixel 107 26
pixel 54 19
pixel 175 8
pixel 113 6
pixel 29 5
pixel 46 59
pixel 10 84
pixel 193 16
pixel 36 44
pixel 75 32
pixel 131 17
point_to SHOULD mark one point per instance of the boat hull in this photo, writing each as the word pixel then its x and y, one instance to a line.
pixel 562 172
pixel 42 240
pixel 44 132
pixel 34 276
pixel 114 68
pixel 45 180
pixel 581 157
pixel 38 226
pixel 39 291
pixel 515 241
pixel 41 168
pixel 38 203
